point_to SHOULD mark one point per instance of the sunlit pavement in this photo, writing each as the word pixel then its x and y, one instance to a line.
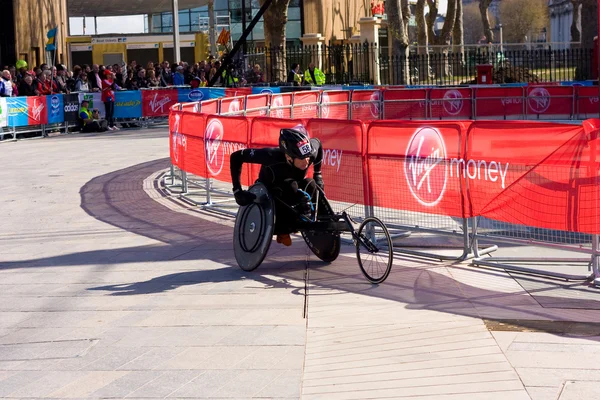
pixel 109 288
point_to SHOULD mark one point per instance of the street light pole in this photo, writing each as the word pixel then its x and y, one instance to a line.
pixel 176 44
pixel 501 39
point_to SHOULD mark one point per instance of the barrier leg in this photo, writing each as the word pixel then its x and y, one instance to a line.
pixel 208 189
pixel 184 183
pixel 595 259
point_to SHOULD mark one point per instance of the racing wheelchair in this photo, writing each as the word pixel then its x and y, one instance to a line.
pixel 321 229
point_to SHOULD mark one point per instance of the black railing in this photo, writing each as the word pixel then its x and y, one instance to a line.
pixel 357 64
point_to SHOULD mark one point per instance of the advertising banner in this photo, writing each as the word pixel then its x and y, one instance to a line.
pixel 3 112
pixel 242 91
pixel 96 103
pixel 550 102
pixel 24 111
pixel 257 105
pixel 156 103
pixel 56 112
pixel 450 103
pixel 191 95
pixel 71 107
pixel 222 137
pixel 366 105
pixel 405 104
pixel 128 104
pixel 335 104
pixel 266 90
pixel 499 102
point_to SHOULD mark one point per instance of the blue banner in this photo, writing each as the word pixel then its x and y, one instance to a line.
pixel 56 106
pixel 266 90
pixel 17 111
pixel 128 104
pixel 199 94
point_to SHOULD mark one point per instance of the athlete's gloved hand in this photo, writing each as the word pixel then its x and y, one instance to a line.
pixel 243 197
pixel 318 178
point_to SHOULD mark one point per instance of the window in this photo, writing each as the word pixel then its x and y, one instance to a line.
pixel 294 14
pixel 293 29
pixel 167 20
pixel 221 5
pixel 184 18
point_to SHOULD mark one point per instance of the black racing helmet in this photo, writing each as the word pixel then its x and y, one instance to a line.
pixel 295 142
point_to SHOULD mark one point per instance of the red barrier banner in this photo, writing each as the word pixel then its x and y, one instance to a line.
pixel 191 107
pixel 408 167
pixel 236 92
pixel 405 104
pixel 157 103
pixel 210 107
pixel 306 104
pixel 366 105
pixel 265 133
pixel 550 101
pixel 257 105
pixel 223 136
pixel 450 103
pixel 529 173
pixel 38 110
pixel 281 105
pixel 335 104
pixel 499 102
pixel 587 102
pixel 342 164
pixel 232 105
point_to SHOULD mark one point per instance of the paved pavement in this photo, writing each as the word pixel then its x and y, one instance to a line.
pixel 111 289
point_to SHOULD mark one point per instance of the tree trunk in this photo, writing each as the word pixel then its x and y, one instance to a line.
pixel 485 19
pixel 444 38
pixel 275 19
pixel 422 43
pixel 589 23
pixel 458 48
pixel 398 32
pixel 575 34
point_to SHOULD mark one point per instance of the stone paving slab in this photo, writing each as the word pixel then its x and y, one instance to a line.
pixel 108 289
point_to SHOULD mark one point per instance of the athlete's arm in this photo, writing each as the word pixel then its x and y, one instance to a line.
pixel 318 149
pixel 253 156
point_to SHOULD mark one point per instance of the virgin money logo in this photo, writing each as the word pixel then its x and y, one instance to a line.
pixel 539 100
pixel 37 109
pixel 424 166
pixel 159 104
pixel 277 102
pixel 324 105
pixel 215 153
pixel 375 104
pixel 453 102
pixel 234 106
pixel 178 141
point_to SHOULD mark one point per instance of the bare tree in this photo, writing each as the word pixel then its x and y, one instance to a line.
pixel 589 23
pixel 421 27
pixel 473 28
pixel 398 13
pixel 521 22
pixel 485 20
pixel 458 31
pixel 443 39
pixel 275 18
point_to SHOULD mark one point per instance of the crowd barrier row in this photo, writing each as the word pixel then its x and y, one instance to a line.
pixel 511 181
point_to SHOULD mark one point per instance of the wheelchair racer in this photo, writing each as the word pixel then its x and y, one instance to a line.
pixel 283 171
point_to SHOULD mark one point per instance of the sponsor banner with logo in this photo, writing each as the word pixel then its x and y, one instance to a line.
pixel 3 112
pixel 335 104
pixel 452 103
pixel 222 137
pixel 588 105
pixel 23 111
pixel 71 107
pixel 156 103
pixel 342 164
pixel 534 174
pixel 192 95
pixel 550 101
pixel 265 90
pixel 408 166
pixel 306 104
pixel 128 104
pixel 366 105
pixel 56 112
pixel 500 103
pixel 96 103
pixel 281 105
pixel 234 92
pixel 405 104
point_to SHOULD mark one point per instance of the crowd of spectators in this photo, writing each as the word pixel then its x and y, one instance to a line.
pixel 46 80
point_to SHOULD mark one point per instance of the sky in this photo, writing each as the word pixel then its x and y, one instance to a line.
pixel 135 23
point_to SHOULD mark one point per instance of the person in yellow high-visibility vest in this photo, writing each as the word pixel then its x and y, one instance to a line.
pixel 314 76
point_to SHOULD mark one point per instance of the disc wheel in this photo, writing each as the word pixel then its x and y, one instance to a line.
pixel 374 250
pixel 325 245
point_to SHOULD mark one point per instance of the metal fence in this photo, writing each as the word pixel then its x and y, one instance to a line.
pixel 367 64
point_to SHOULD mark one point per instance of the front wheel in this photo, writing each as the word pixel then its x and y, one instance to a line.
pixel 374 250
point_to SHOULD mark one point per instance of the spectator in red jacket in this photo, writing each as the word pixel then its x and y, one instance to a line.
pixel 108 97
pixel 46 85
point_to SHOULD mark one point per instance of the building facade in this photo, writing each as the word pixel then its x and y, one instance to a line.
pixel 561 18
pixel 23 28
